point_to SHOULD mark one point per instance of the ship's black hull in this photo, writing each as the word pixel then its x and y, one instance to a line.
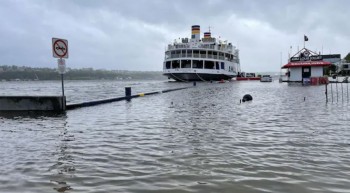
pixel 197 77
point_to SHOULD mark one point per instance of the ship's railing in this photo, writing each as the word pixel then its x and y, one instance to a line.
pixel 175 56
pixel 209 56
pixel 211 47
pixel 181 46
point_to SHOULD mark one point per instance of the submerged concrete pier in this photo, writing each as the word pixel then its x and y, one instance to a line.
pixel 127 97
pixel 56 104
pixel 32 103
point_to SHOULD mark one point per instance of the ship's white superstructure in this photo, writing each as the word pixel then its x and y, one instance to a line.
pixel 199 59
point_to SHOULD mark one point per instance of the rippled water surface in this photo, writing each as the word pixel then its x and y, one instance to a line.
pixel 194 140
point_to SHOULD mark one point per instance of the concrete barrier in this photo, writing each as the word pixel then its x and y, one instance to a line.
pixel 32 103
pixel 127 97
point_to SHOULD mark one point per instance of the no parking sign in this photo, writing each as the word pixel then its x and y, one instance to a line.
pixel 59 48
pixel 60 51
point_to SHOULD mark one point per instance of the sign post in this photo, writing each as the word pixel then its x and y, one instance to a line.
pixel 60 51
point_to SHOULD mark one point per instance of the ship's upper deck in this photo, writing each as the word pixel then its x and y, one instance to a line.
pixel 204 43
pixel 207 47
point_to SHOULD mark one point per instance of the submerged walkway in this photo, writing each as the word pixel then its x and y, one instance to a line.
pixel 126 97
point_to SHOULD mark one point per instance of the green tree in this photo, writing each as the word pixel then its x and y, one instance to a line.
pixel 332 68
pixel 347 57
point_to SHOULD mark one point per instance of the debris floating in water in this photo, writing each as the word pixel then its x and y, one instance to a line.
pixel 247 97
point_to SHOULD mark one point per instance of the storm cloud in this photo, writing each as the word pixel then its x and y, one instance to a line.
pixel 133 34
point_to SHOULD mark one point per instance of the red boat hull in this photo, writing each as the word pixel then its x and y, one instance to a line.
pixel 248 78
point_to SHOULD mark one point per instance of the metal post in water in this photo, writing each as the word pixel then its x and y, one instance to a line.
pixel 336 87
pixel 332 91
pixel 127 91
pixel 63 101
pixel 342 100
pixel 326 92
pixel 61 70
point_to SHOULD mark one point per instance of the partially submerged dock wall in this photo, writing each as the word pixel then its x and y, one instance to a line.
pixel 32 103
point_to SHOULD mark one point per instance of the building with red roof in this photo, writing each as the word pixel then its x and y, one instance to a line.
pixel 305 65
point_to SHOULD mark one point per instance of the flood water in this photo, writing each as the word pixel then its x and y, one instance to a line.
pixel 194 140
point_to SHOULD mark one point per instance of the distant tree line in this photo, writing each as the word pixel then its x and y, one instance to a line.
pixel 8 72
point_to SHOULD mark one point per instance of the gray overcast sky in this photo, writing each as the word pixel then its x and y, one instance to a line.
pixel 133 34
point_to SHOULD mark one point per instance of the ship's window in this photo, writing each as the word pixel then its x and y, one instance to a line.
pixel 176 63
pixel 183 53
pixel 221 56
pixel 176 54
pixel 196 53
pixel 167 55
pixel 198 64
pixel 189 53
pixel 210 54
pixel 217 65
pixel 201 63
pixel 209 65
pixel 185 63
pixel 215 55
pixel 172 54
pixel 222 65
pixel 168 65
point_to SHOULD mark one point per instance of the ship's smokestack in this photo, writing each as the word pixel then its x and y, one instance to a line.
pixel 196 30
pixel 207 35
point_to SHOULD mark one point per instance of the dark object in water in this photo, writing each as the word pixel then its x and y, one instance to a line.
pixel 247 97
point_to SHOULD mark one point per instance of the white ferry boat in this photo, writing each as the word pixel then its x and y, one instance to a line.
pixel 199 59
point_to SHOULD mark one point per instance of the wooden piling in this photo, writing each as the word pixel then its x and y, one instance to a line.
pixel 326 92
